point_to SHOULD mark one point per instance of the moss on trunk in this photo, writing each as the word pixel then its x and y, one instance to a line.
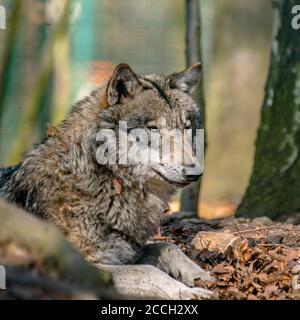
pixel 275 182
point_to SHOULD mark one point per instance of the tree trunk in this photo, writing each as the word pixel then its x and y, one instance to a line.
pixel 190 196
pixel 274 185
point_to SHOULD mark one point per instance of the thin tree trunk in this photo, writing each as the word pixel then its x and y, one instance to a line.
pixel 274 185
pixel 190 196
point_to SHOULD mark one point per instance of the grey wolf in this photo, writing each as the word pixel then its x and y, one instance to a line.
pixel 110 212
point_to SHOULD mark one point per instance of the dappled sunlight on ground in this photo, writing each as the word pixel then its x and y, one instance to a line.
pixel 210 209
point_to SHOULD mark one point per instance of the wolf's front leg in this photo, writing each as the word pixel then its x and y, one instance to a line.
pixel 148 281
pixel 169 258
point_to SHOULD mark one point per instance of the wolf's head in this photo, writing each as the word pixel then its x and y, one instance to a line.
pixel 150 125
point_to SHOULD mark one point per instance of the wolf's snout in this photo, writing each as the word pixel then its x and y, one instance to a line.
pixel 191 177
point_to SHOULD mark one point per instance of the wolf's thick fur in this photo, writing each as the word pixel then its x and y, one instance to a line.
pixel 109 212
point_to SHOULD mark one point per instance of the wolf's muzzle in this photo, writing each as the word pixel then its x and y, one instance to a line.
pixel 191 177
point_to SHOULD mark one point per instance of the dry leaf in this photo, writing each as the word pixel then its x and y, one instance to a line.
pixel 245 250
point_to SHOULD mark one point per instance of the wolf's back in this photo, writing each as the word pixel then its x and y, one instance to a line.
pixel 5 174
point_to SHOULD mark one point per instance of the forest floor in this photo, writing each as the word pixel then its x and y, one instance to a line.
pixel 254 259
pixel 250 259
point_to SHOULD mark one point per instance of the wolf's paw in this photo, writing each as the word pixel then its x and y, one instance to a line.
pixel 195 294
pixel 194 274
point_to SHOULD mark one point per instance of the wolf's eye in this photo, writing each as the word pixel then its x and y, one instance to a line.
pixel 152 125
pixel 152 128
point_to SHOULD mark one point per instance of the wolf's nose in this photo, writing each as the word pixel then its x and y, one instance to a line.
pixel 192 177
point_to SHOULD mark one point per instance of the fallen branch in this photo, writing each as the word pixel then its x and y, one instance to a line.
pixel 58 256
pixel 31 279
pixel 264 228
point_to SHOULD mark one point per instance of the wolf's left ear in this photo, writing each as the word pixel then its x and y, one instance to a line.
pixel 188 79
pixel 124 84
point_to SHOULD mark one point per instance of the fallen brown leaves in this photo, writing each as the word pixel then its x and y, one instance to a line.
pixel 254 260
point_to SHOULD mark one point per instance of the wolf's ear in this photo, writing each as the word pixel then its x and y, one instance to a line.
pixel 186 80
pixel 124 84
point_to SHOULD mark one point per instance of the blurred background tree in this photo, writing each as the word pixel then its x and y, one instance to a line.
pixel 274 184
pixel 234 90
pixel 193 54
